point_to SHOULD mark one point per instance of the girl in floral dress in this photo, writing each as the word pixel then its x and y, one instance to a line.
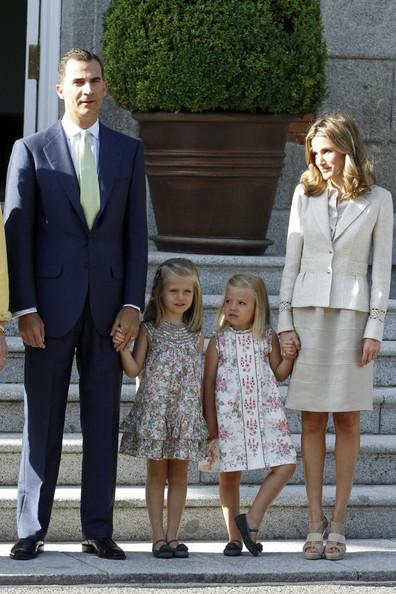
pixel 166 424
pixel 242 406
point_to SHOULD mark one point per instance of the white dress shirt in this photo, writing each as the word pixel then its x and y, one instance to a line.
pixel 336 211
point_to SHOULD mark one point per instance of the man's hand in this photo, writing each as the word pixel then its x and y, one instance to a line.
pixel 127 322
pixel 370 350
pixel 32 331
pixel 3 350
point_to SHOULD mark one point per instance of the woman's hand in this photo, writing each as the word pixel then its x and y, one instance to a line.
pixel 289 350
pixel 286 339
pixel 370 350
pixel 3 350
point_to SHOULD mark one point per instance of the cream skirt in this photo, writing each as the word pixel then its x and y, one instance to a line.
pixel 326 376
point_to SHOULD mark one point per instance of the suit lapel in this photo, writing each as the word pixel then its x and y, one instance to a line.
pixel 354 209
pixel 109 158
pixel 58 155
pixel 320 209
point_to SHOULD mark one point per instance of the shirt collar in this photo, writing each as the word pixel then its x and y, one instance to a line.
pixel 71 129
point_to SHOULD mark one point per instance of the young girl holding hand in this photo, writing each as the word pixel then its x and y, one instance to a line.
pixel 242 406
pixel 165 424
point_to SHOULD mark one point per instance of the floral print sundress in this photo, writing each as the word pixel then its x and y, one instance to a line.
pixel 253 429
pixel 166 420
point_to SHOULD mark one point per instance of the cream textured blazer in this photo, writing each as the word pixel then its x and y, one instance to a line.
pixel 323 272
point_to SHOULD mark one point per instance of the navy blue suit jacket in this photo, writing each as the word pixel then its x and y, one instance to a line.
pixel 55 261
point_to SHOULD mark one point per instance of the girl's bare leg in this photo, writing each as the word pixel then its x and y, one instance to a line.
pixel 157 474
pixel 229 498
pixel 177 492
pixel 270 487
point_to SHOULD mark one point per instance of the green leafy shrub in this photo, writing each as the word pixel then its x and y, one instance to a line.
pixel 200 55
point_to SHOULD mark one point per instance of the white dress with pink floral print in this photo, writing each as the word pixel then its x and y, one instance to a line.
pixel 253 429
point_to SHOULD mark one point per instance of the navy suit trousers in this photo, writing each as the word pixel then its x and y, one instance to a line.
pixel 47 378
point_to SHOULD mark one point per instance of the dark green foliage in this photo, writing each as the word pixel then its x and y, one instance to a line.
pixel 200 55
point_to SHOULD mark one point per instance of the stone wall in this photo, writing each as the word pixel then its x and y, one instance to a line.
pixel 361 42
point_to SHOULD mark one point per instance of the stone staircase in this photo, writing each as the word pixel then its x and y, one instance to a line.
pixel 373 503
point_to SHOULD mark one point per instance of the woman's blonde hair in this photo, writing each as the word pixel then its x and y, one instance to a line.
pixel 256 286
pixel 155 311
pixel 344 136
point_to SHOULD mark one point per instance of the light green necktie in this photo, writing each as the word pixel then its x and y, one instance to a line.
pixel 89 184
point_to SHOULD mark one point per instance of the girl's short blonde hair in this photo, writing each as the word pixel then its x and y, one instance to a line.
pixel 344 136
pixel 256 286
pixel 155 312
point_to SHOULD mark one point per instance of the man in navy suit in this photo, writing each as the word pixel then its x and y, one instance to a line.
pixel 75 278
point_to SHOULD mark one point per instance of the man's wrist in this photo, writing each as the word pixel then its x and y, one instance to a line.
pixel 131 306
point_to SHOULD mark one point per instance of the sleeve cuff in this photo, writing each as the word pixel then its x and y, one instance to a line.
pixel 131 305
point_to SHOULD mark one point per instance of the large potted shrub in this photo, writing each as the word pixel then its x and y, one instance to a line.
pixel 213 84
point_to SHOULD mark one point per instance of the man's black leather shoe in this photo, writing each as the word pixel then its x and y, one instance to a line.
pixel 103 547
pixel 26 548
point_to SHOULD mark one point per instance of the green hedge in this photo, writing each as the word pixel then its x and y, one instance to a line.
pixel 200 55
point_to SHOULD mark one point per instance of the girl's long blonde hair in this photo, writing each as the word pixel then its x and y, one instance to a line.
pixel 155 312
pixel 256 286
pixel 344 136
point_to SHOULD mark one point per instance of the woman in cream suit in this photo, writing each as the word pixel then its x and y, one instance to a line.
pixel 4 313
pixel 338 216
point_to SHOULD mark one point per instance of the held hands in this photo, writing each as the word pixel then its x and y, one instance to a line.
pixel 32 330
pixel 119 339
pixel 127 323
pixel 289 344
pixel 370 350
pixel 289 350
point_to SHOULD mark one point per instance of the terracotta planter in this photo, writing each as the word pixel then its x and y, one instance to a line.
pixel 213 178
pixel 299 127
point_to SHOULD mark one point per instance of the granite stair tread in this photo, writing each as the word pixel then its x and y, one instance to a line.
pixel 207 495
pixel 13 391
pixel 372 513
pixel 281 568
pixel 72 443
pixel 15 346
pixel 376 463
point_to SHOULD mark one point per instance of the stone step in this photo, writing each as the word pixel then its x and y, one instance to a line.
pixel 376 464
pixel 11 407
pixel 212 302
pixel 280 569
pixel 372 513
pixel 384 368
pixel 382 419
pixel 215 270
